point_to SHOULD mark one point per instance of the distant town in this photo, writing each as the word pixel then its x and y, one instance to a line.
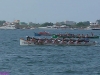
pixel 17 24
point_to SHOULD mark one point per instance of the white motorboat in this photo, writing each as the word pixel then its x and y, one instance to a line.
pixel 8 27
pixel 95 28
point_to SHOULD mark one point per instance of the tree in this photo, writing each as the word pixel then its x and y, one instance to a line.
pixel 83 24
pixel 86 23
pixel 98 21
pixel 1 22
pixel 80 24
pixel 46 24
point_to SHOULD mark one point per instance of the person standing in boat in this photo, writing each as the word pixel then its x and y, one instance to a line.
pixel 28 38
pixel 92 34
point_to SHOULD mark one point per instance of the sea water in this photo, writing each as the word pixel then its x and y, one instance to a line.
pixel 47 60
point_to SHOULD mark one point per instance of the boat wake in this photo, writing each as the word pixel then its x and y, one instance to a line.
pixel 98 45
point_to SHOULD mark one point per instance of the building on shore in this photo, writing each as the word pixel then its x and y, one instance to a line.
pixel 70 22
pixel 93 23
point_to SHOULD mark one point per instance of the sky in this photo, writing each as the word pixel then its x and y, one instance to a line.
pixel 40 11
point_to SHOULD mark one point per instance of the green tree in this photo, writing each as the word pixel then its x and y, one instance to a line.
pixel 86 23
pixel 98 21
pixel 80 24
pixel 1 22
pixel 47 24
pixel 83 24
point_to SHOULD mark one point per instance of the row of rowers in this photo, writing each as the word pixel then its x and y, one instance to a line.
pixel 57 40
pixel 77 35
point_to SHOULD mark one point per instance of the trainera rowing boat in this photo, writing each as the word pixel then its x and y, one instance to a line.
pixel 90 43
pixel 63 35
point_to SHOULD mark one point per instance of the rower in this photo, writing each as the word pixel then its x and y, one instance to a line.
pixel 86 39
pixel 79 35
pixel 78 41
pixel 87 35
pixel 83 36
pixel 46 41
pixel 92 34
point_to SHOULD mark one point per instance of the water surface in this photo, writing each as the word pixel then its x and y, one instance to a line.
pixel 47 60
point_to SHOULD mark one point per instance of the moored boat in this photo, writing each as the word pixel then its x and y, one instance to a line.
pixel 8 27
pixel 95 28
pixel 42 34
pixel 37 34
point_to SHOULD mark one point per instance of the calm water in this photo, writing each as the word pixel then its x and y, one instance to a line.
pixel 47 60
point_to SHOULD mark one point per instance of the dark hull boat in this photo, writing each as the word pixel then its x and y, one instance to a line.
pixel 65 36
pixel 95 28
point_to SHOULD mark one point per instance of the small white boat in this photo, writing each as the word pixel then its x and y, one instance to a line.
pixel 8 27
pixel 95 28
pixel 90 43
pixel 32 28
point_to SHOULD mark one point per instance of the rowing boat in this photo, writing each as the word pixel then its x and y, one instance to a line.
pixel 59 43
pixel 64 35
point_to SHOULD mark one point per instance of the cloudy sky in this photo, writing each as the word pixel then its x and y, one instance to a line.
pixel 40 11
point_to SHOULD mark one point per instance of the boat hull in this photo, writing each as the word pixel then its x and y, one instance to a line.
pixel 25 42
pixel 95 28
pixel 91 37
pixel 63 35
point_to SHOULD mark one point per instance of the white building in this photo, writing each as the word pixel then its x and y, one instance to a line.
pixel 93 23
pixel 70 22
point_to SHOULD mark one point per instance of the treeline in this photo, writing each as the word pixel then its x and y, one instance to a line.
pixel 83 24
pixel 79 24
